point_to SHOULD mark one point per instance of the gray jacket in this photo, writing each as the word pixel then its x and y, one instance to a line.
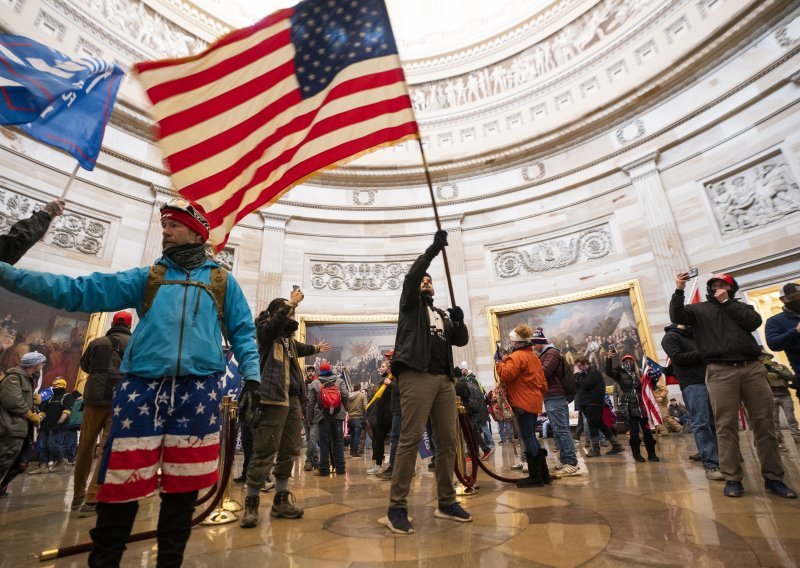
pixel 16 400
pixel 314 408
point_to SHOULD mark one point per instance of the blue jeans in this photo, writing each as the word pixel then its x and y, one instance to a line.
pixel 394 437
pixel 504 426
pixel 50 448
pixel 487 434
pixel 354 427
pixel 69 443
pixel 705 435
pixel 527 433
pixel 558 413
pixel 312 445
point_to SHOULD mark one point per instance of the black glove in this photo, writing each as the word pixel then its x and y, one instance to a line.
pixel 439 242
pixel 456 314
pixel 249 398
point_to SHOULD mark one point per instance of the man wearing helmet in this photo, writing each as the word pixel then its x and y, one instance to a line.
pixel 723 327
pixel 165 408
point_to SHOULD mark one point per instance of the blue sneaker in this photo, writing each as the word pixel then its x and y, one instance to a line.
pixel 453 512
pixel 733 488
pixel 779 488
pixel 397 521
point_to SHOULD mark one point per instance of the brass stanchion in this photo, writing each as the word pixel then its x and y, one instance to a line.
pixel 225 511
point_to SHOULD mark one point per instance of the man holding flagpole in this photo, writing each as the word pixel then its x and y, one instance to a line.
pixel 26 232
pixel 723 327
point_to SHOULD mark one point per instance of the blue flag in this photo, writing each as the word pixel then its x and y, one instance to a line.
pixel 232 379
pixel 57 100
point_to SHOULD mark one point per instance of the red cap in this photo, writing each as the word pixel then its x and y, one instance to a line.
pixel 191 215
pixel 389 354
pixel 324 367
pixel 122 318
pixel 628 357
pixel 727 278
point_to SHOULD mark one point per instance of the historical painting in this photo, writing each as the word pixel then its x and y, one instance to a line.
pixel 26 326
pixel 359 343
pixel 590 323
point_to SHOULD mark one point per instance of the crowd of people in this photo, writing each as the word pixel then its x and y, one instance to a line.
pixel 152 396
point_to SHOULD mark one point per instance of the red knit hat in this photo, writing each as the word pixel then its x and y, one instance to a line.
pixel 325 369
pixel 122 318
pixel 190 215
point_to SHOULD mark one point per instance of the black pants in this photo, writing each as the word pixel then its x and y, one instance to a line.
pixel 635 424
pixel 115 522
pixel 594 415
pixel 473 419
pixel 331 444
pixel 382 430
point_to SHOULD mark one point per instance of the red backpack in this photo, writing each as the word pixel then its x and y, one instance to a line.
pixel 330 398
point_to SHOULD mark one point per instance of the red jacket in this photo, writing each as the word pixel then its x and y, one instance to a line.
pixel 523 375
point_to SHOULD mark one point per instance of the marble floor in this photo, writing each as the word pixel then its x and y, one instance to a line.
pixel 616 513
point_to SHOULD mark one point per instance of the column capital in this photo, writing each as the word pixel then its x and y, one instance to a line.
pixel 452 222
pixel 274 221
pixel 642 165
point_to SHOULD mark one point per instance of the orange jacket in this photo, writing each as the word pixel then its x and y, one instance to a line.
pixel 523 375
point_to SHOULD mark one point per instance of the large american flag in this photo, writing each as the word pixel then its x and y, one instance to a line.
pixel 651 371
pixel 268 106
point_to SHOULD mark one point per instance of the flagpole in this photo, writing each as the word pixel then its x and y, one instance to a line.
pixel 438 222
pixel 69 182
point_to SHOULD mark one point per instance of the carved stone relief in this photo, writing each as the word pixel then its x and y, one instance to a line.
pixel 677 29
pixel 225 258
pixel 554 253
pixel 364 197
pixel 532 63
pixel 533 172
pixel 49 25
pixel 788 34
pixel 446 191
pixel 71 231
pixel 15 5
pixel 630 132
pixel 142 23
pixel 86 49
pixel 371 276
pixel 759 195
pixel 706 6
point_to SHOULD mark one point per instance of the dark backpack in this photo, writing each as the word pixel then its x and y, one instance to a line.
pixel 330 398
pixel 475 398
pixel 568 380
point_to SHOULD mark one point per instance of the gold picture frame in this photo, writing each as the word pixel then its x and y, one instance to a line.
pixel 353 339
pixel 623 298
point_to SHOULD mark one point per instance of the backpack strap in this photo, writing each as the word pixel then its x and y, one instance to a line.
pixel 218 288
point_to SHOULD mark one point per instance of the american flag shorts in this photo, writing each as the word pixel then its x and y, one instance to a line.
pixel 171 424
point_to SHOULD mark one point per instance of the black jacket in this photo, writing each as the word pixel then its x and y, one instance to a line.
pixel 412 348
pixel 101 363
pixel 591 388
pixel 278 358
pixel 724 332
pixel 630 386
pixel 23 235
pixel 688 365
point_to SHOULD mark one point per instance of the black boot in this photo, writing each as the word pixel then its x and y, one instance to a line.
pixel 595 451
pixel 250 518
pixel 636 448
pixel 174 527
pixel 651 451
pixel 113 528
pixel 616 447
pixel 542 460
pixel 534 478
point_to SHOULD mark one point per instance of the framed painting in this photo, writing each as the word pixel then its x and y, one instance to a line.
pixel 586 323
pixel 358 343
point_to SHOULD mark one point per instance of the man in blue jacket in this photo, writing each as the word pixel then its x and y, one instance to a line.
pixel 165 408
pixel 783 329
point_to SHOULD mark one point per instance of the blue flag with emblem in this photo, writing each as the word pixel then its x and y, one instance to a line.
pixel 232 379
pixel 62 102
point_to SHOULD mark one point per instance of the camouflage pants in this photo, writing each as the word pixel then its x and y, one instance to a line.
pixel 9 450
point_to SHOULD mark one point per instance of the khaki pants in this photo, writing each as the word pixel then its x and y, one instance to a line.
pixel 423 395
pixel 276 442
pixel 727 386
pixel 96 420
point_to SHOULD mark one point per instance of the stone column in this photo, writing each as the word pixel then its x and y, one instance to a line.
pixel 665 240
pixel 152 246
pixel 458 274
pixel 271 266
